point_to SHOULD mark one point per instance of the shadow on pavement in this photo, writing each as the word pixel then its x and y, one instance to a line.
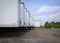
pixel 13 34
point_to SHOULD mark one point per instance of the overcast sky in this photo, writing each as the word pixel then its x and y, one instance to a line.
pixel 44 10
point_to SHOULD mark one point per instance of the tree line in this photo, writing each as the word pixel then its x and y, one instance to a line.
pixel 52 25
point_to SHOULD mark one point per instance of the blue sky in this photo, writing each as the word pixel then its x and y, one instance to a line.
pixel 44 10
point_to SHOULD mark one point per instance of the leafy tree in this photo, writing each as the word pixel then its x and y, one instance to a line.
pixel 52 25
pixel 47 25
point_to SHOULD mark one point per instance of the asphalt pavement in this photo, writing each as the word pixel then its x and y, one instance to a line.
pixel 37 35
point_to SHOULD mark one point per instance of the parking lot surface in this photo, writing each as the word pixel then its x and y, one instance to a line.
pixel 37 35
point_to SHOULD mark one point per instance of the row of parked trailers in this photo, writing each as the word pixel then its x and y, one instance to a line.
pixel 14 14
pixel 26 19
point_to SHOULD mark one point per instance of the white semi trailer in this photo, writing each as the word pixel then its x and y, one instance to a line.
pixel 22 14
pixel 25 12
pixel 10 13
pixel 13 14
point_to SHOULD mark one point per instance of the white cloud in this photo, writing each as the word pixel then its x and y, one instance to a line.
pixel 47 8
pixel 52 11
pixel 42 9
pixel 54 17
